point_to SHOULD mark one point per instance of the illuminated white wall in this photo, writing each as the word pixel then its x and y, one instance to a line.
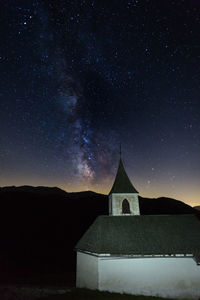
pixel 165 277
pixel 86 271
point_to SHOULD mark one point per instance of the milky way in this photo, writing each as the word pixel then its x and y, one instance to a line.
pixel 80 77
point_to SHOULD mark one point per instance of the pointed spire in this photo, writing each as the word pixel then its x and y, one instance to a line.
pixel 122 183
pixel 120 150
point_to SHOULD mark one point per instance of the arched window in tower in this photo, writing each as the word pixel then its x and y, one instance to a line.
pixel 125 207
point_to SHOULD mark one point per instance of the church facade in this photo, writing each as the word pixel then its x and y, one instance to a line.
pixel 125 252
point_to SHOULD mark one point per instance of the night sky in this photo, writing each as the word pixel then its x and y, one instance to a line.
pixel 77 78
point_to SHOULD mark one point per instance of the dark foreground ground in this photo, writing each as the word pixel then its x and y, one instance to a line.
pixel 83 294
pixel 56 286
pixel 17 292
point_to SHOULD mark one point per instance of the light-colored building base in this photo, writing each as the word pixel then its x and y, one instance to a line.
pixel 87 272
pixel 172 277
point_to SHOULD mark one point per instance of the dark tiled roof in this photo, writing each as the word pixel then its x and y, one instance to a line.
pixel 122 183
pixel 143 235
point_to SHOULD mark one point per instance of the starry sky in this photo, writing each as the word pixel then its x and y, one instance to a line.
pixel 77 78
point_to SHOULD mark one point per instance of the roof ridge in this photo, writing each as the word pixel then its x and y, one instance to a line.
pixel 161 215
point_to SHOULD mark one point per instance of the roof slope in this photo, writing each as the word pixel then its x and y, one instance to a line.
pixel 143 235
pixel 122 183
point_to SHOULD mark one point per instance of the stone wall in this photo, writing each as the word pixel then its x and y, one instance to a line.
pixel 115 203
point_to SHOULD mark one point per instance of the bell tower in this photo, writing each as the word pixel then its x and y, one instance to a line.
pixel 123 197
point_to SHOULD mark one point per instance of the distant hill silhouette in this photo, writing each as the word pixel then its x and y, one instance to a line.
pixel 43 190
pixel 197 207
pixel 39 226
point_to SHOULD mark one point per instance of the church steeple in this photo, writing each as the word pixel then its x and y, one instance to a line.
pixel 122 183
pixel 123 197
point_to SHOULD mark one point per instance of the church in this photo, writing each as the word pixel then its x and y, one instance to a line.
pixel 125 252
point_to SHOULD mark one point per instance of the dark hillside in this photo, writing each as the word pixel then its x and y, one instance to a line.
pixel 162 205
pixel 197 207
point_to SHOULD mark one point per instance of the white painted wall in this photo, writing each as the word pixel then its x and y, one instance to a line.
pixel 164 277
pixel 115 204
pixel 86 271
